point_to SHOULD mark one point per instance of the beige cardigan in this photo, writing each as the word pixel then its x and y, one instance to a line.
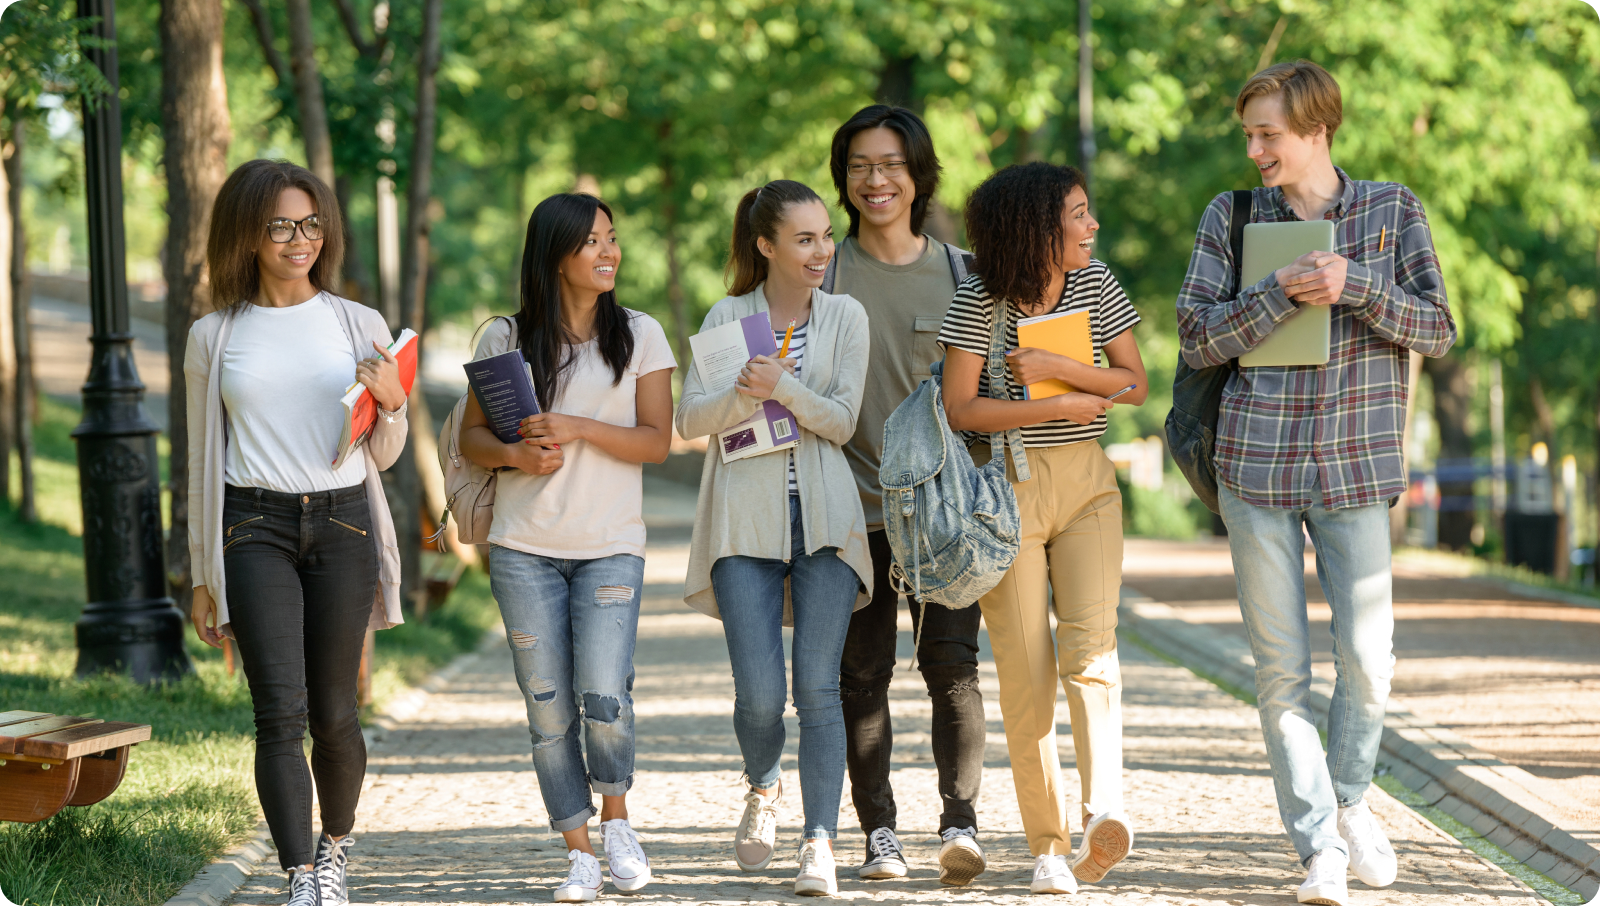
pixel 208 457
pixel 743 508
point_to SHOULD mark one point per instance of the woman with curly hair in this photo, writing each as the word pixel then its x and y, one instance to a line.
pixel 1032 237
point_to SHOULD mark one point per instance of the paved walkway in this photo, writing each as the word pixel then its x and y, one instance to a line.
pixel 452 814
pixel 1515 676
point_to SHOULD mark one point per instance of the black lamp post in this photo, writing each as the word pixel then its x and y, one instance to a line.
pixel 129 624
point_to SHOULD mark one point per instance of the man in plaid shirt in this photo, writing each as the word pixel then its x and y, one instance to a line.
pixel 1320 447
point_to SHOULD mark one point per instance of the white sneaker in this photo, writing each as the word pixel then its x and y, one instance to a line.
pixel 1371 857
pixel 886 858
pixel 960 857
pixel 1106 841
pixel 755 841
pixel 583 880
pixel 1324 884
pixel 1052 874
pixel 818 875
pixel 626 862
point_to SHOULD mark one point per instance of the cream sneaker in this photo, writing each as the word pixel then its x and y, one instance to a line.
pixel 818 876
pixel 1051 874
pixel 1106 841
pixel 755 840
pixel 960 857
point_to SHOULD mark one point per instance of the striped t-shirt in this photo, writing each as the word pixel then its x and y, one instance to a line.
pixel 797 349
pixel 967 324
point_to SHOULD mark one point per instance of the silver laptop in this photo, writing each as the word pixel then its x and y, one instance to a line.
pixel 1302 338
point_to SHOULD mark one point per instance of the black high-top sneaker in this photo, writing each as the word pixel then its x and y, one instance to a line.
pixel 330 865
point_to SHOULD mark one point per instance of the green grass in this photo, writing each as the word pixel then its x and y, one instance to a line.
pixel 189 793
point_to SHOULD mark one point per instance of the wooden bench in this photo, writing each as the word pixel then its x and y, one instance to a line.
pixel 50 761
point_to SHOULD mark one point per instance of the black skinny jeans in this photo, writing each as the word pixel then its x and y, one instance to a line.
pixel 302 570
pixel 948 659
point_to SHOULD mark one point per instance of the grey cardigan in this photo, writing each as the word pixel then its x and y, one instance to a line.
pixel 208 457
pixel 743 507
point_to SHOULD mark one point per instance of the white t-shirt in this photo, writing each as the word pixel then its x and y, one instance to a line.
pixel 283 374
pixel 593 506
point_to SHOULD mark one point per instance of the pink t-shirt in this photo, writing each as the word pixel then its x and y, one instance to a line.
pixel 593 506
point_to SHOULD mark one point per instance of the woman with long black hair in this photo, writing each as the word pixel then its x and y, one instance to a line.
pixel 567 558
pixel 293 559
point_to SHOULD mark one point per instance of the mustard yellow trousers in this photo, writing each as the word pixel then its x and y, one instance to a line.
pixel 1071 545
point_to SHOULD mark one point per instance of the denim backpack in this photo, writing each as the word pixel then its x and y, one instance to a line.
pixel 952 526
pixel 1197 392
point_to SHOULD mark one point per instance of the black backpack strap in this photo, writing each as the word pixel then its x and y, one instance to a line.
pixel 1243 212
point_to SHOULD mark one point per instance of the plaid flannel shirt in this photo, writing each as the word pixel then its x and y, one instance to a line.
pixel 1288 435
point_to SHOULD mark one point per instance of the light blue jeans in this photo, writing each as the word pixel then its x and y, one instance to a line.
pixel 749 594
pixel 1352 550
pixel 572 625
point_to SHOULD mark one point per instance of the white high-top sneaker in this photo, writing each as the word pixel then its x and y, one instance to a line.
pixel 960 857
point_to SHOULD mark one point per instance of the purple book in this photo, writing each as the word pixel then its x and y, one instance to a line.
pixel 719 355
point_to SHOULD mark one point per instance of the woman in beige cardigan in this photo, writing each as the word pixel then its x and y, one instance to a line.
pixel 779 538
pixel 294 559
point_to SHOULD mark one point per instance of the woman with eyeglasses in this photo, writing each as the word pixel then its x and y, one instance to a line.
pixel 292 558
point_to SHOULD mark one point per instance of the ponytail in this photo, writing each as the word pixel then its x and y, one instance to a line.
pixel 761 211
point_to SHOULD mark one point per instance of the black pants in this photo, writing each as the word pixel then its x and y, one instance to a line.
pixel 302 570
pixel 948 659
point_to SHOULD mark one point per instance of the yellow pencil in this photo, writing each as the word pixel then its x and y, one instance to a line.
pixel 1383 233
pixel 784 352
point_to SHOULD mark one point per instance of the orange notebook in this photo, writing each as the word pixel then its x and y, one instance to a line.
pixel 1063 333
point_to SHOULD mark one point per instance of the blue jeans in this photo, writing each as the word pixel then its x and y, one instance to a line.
pixel 1352 549
pixel 749 594
pixel 572 625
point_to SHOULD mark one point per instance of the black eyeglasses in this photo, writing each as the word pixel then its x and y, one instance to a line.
pixel 282 229
pixel 889 168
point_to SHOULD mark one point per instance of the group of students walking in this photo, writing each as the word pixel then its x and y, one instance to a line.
pixel 296 560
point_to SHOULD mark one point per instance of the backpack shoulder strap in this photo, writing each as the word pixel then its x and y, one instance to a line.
pixel 829 275
pixel 995 365
pixel 960 262
pixel 1243 213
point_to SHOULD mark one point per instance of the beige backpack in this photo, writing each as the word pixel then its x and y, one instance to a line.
pixel 468 487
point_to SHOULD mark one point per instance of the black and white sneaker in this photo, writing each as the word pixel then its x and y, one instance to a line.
pixel 303 889
pixel 886 858
pixel 330 869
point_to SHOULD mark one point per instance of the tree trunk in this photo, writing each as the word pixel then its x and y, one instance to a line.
pixel 1452 403
pixel 357 276
pixel 24 401
pixel 8 349
pixel 897 84
pixel 197 130
pixel 676 303
pixel 406 481
pixel 308 91
pixel 1086 148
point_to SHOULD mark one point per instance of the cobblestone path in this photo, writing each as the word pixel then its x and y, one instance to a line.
pixel 452 815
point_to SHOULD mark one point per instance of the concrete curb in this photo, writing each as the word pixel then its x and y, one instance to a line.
pixel 222 878
pixel 1493 798
pixel 216 882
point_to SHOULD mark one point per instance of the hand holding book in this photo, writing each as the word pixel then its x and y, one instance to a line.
pixel 381 377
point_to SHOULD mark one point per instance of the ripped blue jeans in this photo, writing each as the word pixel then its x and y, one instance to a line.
pixel 572 625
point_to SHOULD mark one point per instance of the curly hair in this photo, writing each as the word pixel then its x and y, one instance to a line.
pixel 1014 227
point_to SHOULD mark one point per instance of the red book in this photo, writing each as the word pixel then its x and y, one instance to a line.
pixel 361 410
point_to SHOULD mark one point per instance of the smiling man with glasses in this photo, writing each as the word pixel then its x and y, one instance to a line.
pixel 886 172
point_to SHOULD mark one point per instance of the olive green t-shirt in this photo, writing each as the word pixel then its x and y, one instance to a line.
pixel 905 307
